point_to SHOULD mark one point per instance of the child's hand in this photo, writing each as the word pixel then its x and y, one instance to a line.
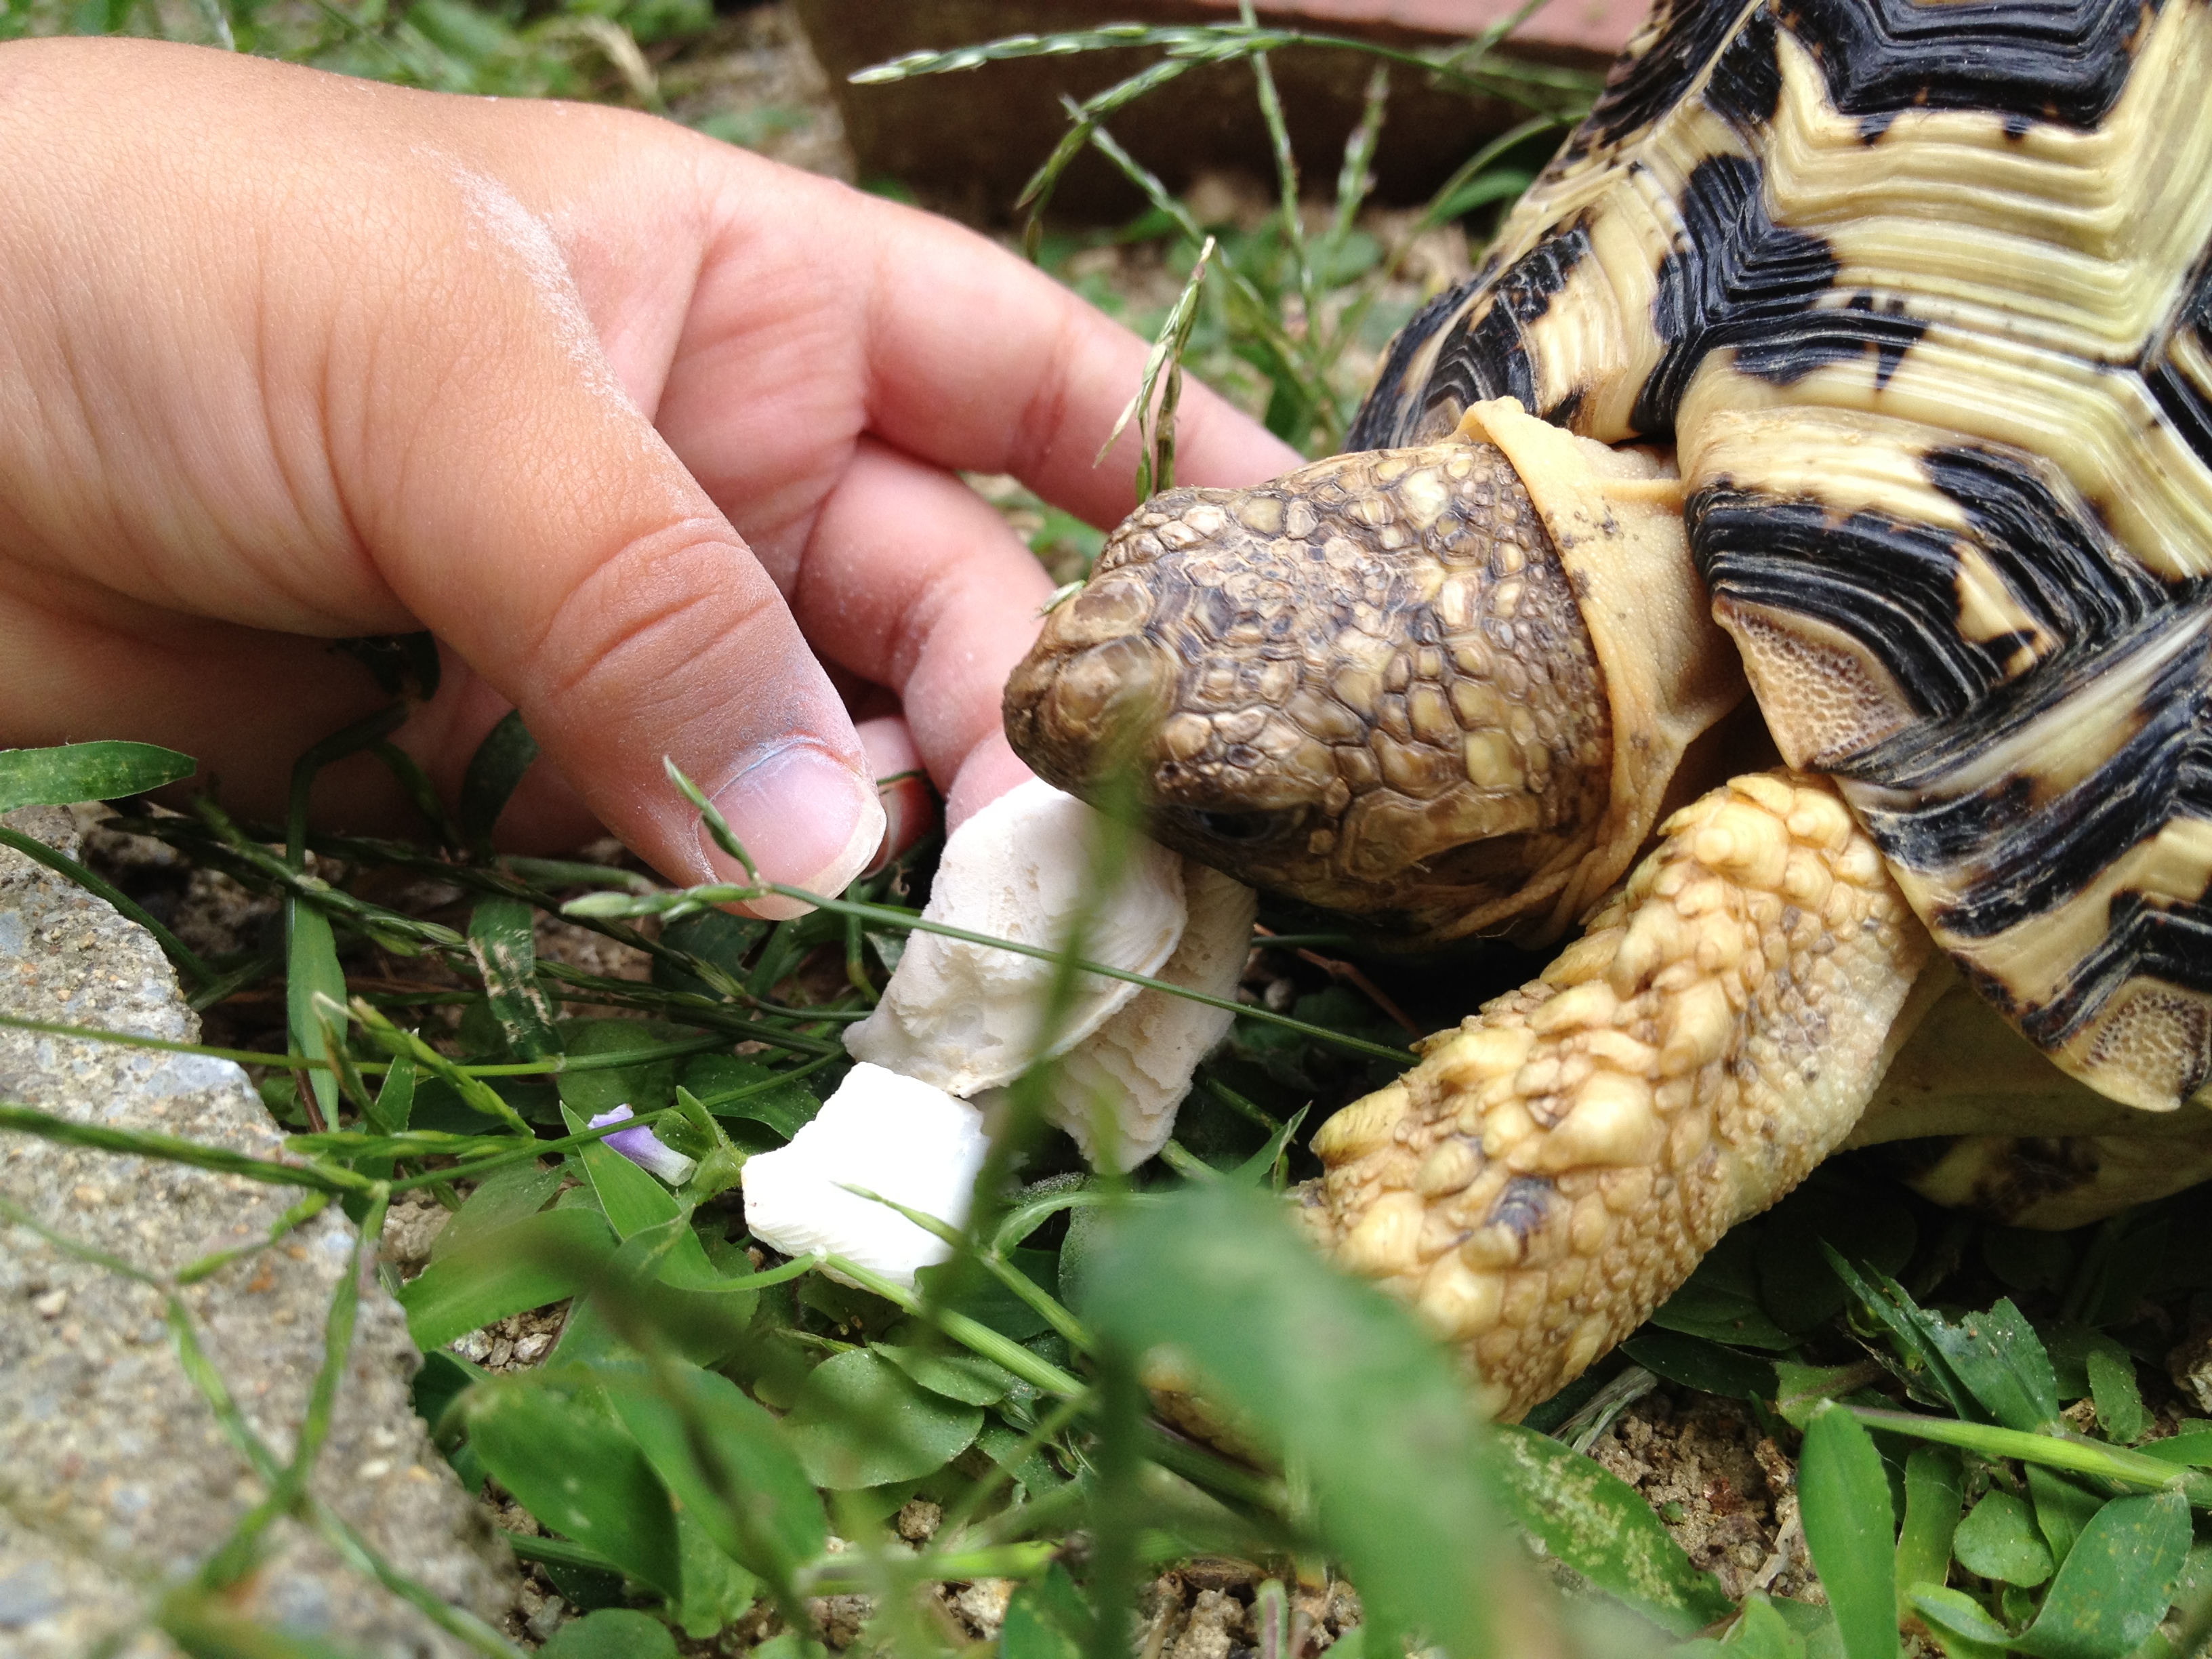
pixel 619 413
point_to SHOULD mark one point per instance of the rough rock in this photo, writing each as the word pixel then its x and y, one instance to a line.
pixel 116 1478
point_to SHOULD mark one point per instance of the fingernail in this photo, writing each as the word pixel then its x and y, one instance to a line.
pixel 808 819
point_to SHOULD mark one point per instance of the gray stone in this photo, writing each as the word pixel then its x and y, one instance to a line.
pixel 116 1478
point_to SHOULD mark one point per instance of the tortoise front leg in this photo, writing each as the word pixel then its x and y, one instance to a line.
pixel 1554 1168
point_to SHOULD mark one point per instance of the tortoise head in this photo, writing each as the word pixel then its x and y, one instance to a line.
pixel 1366 685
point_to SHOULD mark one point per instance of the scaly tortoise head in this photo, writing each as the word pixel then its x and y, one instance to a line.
pixel 1416 686
pixel 1366 685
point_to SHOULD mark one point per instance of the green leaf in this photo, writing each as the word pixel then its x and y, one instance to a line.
pixel 714 937
pixel 720 1161
pixel 1359 1399
pixel 859 1422
pixel 1957 1618
pixel 611 1633
pixel 726 1462
pixel 632 1199
pixel 1696 1363
pixel 500 1199
pixel 1589 1518
pixel 1801 1391
pixel 953 1372
pixel 1998 1356
pixel 954 1285
pixel 395 1100
pixel 1848 1527
pixel 1761 1633
pixel 1721 1301
pixel 717 1591
pixel 1046 1619
pixel 2117 1582
pixel 503 941
pixel 579 1473
pixel 87 771
pixel 730 1087
pixel 312 970
pixel 1928 1373
pixel 494 770
pixel 645 1086
pixel 2063 1508
pixel 2119 1399
pixel 1998 1539
pixel 661 1278
pixel 526 1264
pixel 1012 1452
pixel 2193 1449
pixel 443 1378
pixel 1933 1476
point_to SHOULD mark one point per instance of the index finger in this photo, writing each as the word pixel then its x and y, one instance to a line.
pixel 980 361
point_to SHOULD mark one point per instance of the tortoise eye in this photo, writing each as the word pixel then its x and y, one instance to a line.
pixel 1240 829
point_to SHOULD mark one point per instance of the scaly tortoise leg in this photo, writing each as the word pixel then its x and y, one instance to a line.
pixel 1555 1167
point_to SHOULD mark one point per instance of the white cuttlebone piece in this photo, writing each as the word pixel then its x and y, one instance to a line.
pixel 965 1017
pixel 1116 1092
pixel 892 1135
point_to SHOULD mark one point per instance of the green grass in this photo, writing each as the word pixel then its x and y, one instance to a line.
pixel 1990 1449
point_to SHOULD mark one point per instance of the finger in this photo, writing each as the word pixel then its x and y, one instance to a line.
pixel 885 320
pixel 245 703
pixel 913 579
pixel 598 587
pixel 991 769
pixel 980 361
pixel 902 786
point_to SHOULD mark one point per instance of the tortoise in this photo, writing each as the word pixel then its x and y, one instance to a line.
pixel 1856 351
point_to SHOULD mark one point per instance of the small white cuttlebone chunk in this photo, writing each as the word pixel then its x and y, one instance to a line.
pixel 965 1017
pixel 1117 1091
pixel 905 1139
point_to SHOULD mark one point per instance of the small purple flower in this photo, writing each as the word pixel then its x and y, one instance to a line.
pixel 644 1148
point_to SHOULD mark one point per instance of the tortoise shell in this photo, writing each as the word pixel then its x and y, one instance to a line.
pixel 1922 295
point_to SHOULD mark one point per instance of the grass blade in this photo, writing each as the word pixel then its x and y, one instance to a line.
pixel 494 772
pixel 1851 1532
pixel 1589 1518
pixel 503 942
pixel 73 772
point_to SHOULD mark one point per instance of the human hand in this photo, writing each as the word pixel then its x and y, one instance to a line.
pixel 627 417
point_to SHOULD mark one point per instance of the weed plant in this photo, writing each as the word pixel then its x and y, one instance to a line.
pixel 719 1438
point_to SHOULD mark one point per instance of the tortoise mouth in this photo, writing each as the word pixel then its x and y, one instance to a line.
pixel 1080 716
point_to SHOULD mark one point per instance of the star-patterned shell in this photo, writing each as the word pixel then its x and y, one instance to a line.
pixel 1922 295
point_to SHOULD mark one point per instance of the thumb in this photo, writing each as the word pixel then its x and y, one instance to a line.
pixel 519 504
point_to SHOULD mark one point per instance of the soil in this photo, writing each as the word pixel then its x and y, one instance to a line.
pixel 1723 1487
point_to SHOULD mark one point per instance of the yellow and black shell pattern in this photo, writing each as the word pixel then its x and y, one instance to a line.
pixel 1922 293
